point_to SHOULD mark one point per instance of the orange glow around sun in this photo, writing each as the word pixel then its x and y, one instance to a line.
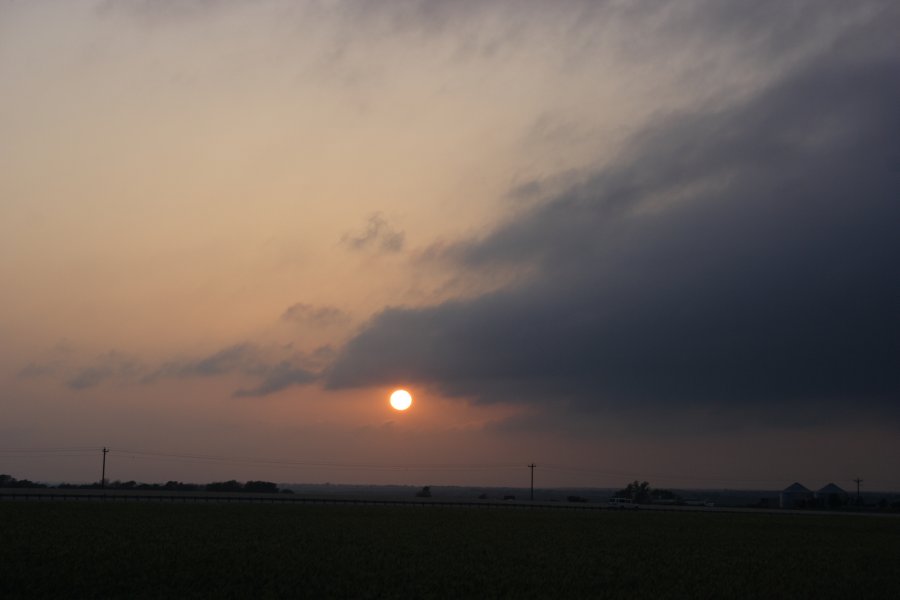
pixel 401 400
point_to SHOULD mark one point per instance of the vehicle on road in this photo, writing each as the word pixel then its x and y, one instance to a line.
pixel 622 503
pixel 697 502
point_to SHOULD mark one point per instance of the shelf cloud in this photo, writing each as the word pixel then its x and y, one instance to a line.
pixel 741 257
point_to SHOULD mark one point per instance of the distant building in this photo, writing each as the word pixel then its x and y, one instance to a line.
pixel 796 496
pixel 831 496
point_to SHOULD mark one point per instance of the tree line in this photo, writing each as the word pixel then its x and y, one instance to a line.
pixel 232 485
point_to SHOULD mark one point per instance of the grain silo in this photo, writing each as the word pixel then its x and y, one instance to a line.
pixel 796 496
pixel 832 496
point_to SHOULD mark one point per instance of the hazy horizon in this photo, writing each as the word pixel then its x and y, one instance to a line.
pixel 349 485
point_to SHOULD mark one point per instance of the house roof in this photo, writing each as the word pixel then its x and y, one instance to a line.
pixel 796 487
pixel 831 489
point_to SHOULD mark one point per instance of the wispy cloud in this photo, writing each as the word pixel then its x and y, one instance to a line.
pixel 274 368
pixel 111 366
pixel 278 378
pixel 316 316
pixel 378 235
pixel 238 358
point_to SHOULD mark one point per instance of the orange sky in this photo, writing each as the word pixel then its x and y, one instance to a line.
pixel 174 177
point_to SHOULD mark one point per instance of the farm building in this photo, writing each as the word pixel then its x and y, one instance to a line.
pixel 832 496
pixel 796 496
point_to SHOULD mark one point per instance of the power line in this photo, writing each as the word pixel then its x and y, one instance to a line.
pixel 54 455
pixel 664 476
pixel 315 464
pixel 48 450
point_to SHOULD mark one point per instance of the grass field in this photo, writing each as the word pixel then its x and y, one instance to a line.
pixel 143 550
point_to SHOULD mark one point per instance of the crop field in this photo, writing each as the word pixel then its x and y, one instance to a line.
pixel 145 550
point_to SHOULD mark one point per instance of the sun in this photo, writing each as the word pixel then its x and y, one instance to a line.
pixel 401 400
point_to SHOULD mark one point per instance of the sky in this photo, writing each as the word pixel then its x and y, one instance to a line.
pixel 619 239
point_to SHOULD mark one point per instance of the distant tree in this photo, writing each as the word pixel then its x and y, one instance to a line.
pixel 225 486
pixel 177 486
pixel 8 481
pixel 641 493
pixel 261 487
pixel 635 491
pixel 425 492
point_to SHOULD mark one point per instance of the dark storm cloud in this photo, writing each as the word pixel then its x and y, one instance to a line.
pixel 741 259
pixel 378 235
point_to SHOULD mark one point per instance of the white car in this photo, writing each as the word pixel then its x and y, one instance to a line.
pixel 622 503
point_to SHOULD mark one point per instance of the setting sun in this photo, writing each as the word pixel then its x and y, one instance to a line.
pixel 401 400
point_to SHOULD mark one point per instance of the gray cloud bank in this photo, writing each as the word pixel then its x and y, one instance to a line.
pixel 736 259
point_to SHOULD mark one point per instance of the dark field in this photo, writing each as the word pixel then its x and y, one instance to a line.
pixel 144 550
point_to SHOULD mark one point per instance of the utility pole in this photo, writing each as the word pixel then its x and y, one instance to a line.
pixel 532 466
pixel 858 481
pixel 103 472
